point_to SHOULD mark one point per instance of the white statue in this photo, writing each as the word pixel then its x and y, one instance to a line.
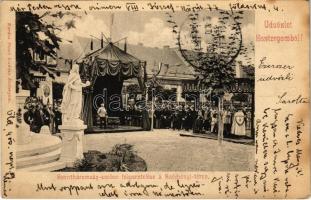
pixel 71 106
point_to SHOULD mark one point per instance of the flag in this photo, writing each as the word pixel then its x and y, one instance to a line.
pixel 102 41
pixel 112 18
pixel 159 67
pixel 111 23
pixel 125 46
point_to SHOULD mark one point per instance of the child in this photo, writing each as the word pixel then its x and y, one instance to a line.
pixel 102 114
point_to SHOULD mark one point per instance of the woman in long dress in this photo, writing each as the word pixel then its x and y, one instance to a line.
pixel 71 106
pixel 238 124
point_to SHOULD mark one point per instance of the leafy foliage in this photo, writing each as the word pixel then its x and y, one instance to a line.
pixel 211 43
pixel 35 36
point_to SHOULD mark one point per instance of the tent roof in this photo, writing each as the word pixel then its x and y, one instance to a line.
pixel 113 53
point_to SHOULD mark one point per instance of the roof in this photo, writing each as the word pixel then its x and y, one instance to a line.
pixel 113 53
pixel 173 65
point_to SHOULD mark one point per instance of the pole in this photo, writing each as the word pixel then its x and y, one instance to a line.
pixel 126 101
pixel 152 110
pixel 111 23
pixel 146 94
pixel 220 119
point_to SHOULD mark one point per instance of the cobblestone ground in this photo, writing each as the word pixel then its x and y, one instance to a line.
pixel 165 150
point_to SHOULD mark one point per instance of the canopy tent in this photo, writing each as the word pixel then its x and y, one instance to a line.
pixel 106 69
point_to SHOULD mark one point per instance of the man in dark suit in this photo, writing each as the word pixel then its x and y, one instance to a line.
pixel 34 117
pixel 57 119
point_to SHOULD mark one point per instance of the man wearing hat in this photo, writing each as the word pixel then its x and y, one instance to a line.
pixel 102 115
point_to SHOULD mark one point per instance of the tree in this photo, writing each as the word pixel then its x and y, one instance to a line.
pixel 215 43
pixel 36 36
pixel 210 42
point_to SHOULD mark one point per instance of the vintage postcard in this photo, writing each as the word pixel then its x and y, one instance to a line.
pixel 155 99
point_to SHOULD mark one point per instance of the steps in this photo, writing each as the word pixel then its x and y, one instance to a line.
pixel 48 167
pixel 39 144
pixel 38 159
pixel 41 154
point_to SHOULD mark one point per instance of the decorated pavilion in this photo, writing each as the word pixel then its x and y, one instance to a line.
pixel 107 68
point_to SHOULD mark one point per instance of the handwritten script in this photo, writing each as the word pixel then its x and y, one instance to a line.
pixel 143 6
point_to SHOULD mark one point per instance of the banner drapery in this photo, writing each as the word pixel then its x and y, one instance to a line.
pixel 114 68
pixel 110 61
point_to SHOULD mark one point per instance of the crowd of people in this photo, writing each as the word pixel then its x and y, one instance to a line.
pixel 204 119
pixel 38 115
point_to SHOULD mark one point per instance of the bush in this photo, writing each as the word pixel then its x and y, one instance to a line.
pixel 121 158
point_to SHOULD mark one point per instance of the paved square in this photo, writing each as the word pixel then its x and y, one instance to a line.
pixel 165 150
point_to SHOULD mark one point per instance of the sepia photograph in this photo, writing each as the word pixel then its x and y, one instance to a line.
pixel 135 91
pixel 155 100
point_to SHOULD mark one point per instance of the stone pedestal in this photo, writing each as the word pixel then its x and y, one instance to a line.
pixel 24 135
pixel 72 142
pixel 45 130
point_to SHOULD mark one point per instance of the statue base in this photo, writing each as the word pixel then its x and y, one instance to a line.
pixel 45 130
pixel 72 141
pixel 24 135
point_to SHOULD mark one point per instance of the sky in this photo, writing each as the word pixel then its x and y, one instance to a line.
pixel 149 28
